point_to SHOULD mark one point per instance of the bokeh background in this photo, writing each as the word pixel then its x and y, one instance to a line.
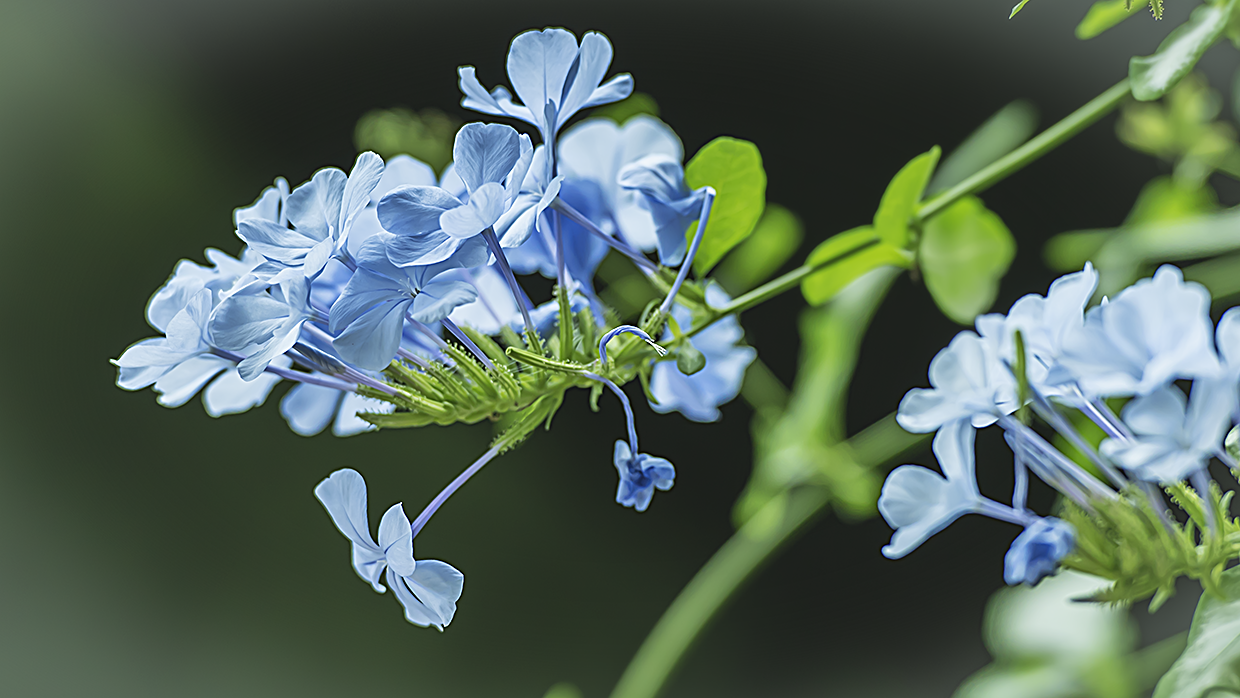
pixel 153 552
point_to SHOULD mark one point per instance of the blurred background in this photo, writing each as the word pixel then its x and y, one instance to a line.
pixel 156 552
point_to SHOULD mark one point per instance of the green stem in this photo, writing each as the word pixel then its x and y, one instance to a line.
pixel 738 559
pixel 1033 149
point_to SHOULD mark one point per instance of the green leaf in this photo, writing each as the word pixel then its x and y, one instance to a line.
pixel 755 260
pixel 629 107
pixel 1152 76
pixel 426 135
pixel 855 253
pixel 965 250
pixel 901 197
pixel 1018 8
pixel 1105 14
pixel 1210 665
pixel 563 690
pixel 996 137
pixel 734 168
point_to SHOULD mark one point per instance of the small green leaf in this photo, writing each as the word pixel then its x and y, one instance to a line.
pixel 964 252
pixel 776 238
pixel 689 360
pixel 901 197
pixel 563 690
pixel 996 137
pixel 1105 14
pixel 1232 444
pixel 1152 76
pixel 635 104
pixel 856 253
pixel 734 168
pixel 1020 5
pixel 1210 665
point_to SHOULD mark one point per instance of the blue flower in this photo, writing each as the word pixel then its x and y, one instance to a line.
pixel 185 338
pixel 265 324
pixel 428 589
pixel 1173 437
pixel 309 409
pixel 919 502
pixel 640 476
pixel 271 205
pixel 671 206
pixel 1036 552
pixel 1153 332
pixel 968 381
pixel 583 252
pixel 370 313
pixel 322 212
pixel 699 396
pixel 432 224
pixel 596 150
pixel 553 77
pixel 398 171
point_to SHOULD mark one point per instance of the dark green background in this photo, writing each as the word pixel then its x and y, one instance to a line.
pixel 152 552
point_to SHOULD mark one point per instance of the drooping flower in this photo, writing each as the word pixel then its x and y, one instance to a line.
pixel 1153 332
pixel 699 396
pixel 969 381
pixel 671 205
pixel 553 77
pixel 370 313
pixel 597 150
pixel 1036 552
pixel 432 225
pixel 640 476
pixel 265 324
pixel 428 589
pixel 1044 323
pixel 919 502
pixel 1174 436
pixel 322 212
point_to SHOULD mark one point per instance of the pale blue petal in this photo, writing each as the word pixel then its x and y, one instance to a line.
pixel 538 65
pixel 366 174
pixel 365 290
pixel 244 320
pixel 1161 413
pixel 428 248
pixel 277 242
pixel 281 341
pixel 476 97
pixel 348 423
pixel 485 206
pixel 183 382
pixel 267 206
pixel 414 210
pixel 314 207
pixel 613 90
pixel 229 394
pixel 396 540
pixel 371 341
pixel 430 594
pixel 439 298
pixel 485 153
pixel 308 409
pixel 343 494
pixel 593 60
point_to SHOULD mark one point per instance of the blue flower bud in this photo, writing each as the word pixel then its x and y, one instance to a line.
pixel 1037 551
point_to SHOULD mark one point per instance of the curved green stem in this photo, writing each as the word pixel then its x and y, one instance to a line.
pixel 1033 149
pixel 738 558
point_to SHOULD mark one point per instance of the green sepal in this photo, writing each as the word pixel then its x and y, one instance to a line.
pixel 1152 76
pixel 732 167
pixel 588 327
pixel 644 378
pixel 689 360
pixel 539 413
pixel 510 337
pixel 488 346
pixel 596 392
pixel 900 199
pixel 538 361
pixel 417 380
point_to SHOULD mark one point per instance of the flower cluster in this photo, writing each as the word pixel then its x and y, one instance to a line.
pixel 1070 366
pixel 347 284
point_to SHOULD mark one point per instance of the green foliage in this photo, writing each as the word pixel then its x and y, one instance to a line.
pixel 629 107
pixel 1210 665
pixel 854 252
pixel 774 240
pixel 734 168
pixel 1183 130
pixel 1019 6
pixel 1105 14
pixel 900 199
pixel 1128 542
pixel 804 442
pixel 1046 645
pixel 964 252
pixel 996 137
pixel 563 690
pixel 1152 76
pixel 426 135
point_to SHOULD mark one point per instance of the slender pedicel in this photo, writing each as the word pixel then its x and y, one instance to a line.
pixel 626 329
pixel 453 486
pixel 1020 490
pixel 297 376
pixel 1047 472
pixel 618 245
pixel 703 219
pixel 349 372
pixel 995 510
pixel 517 294
pixel 1059 460
pixel 426 332
pixel 469 343
pixel 413 358
pixel 628 408
pixel 1154 497
pixel 1047 411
